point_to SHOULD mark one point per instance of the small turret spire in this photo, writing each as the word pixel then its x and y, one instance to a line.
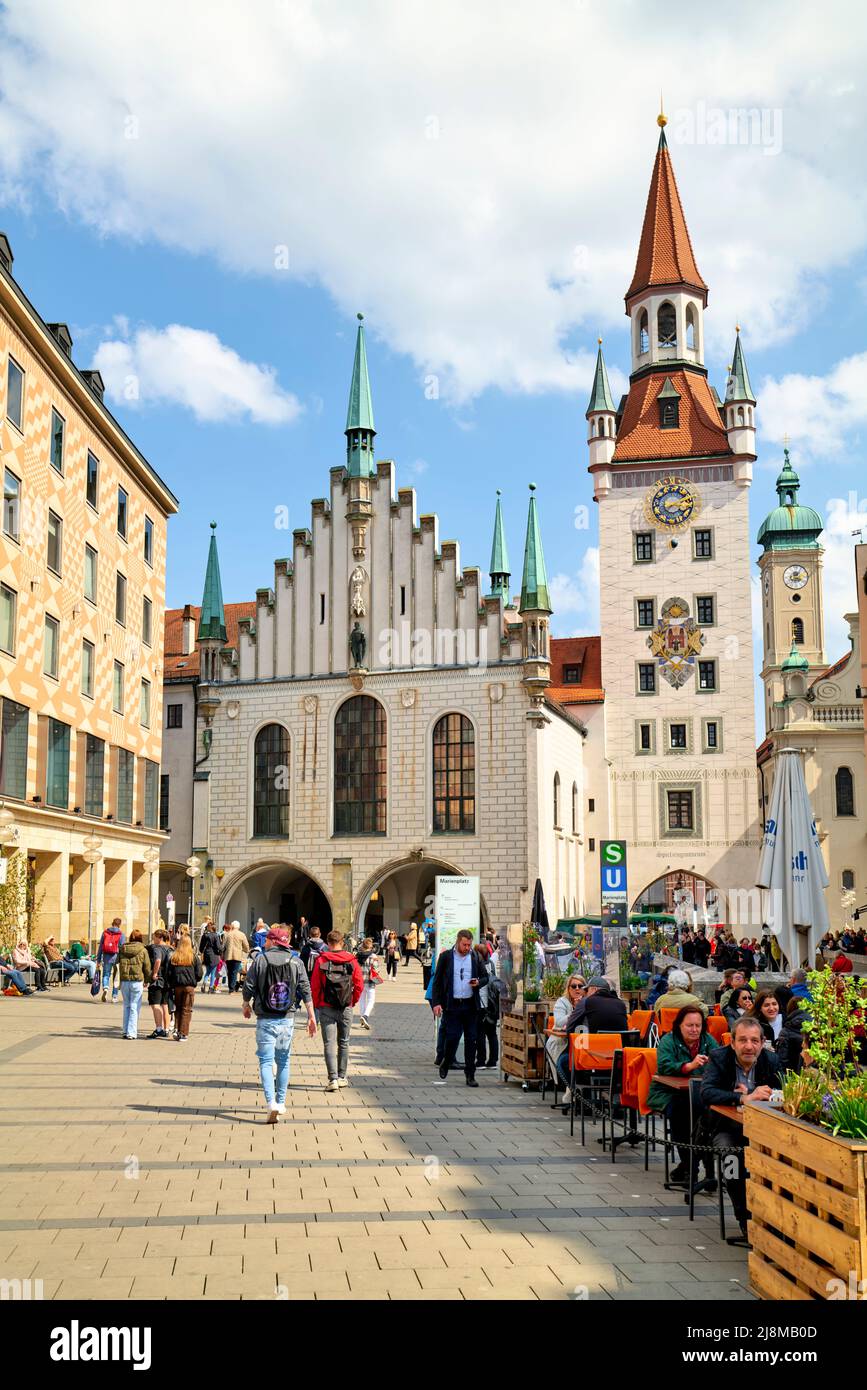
pixel 738 387
pixel 600 396
pixel 360 428
pixel 534 583
pixel 499 571
pixel 212 621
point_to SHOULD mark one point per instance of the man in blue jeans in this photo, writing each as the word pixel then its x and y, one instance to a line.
pixel 275 982
pixel 109 945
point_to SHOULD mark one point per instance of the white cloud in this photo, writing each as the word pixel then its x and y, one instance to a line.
pixel 575 598
pixel 822 414
pixel 192 368
pixel 472 178
pixel 843 516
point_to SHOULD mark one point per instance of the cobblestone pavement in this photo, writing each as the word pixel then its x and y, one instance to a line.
pixel 148 1172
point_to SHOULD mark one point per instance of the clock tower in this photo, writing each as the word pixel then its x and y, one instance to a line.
pixel 672 485
pixel 791 569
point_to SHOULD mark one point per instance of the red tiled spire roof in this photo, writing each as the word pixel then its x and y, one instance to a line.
pixel 700 430
pixel 665 254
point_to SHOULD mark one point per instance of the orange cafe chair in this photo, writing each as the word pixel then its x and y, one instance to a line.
pixel 726 1038
pixel 589 1052
pixel 666 1019
pixel 717 1027
pixel 640 1020
pixel 638 1071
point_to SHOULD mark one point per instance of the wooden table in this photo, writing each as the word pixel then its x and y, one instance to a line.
pixel 674 1083
pixel 734 1113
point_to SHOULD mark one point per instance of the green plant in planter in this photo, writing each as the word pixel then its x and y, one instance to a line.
pixel 803 1094
pixel 554 983
pixel 531 994
pixel 847 1112
pixel 829 1031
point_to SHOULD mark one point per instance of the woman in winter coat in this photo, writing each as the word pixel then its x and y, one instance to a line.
pixel 183 974
pixel 682 1052
pixel 209 947
pixel 134 968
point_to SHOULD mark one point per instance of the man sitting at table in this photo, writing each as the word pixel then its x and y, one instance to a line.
pixel 744 1070
pixel 600 1011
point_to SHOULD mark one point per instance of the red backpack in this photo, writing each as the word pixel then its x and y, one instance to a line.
pixel 111 941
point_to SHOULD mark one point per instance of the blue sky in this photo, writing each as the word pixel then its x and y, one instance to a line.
pixel 477 189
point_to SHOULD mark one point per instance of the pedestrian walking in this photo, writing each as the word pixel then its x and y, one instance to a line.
pixel 410 942
pixel 425 955
pixel 184 971
pixel 274 983
pixel 311 948
pixel 260 935
pixel 235 949
pixel 210 950
pixel 392 955
pixel 369 963
pixel 158 988
pixel 134 968
pixel 337 985
pixel 488 1054
pixel 458 977
pixel 107 952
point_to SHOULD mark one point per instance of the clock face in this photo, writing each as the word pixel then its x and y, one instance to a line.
pixel 672 504
pixel 795 577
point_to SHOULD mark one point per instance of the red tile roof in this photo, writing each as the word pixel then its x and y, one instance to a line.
pixel 585 652
pixel 177 666
pixel 700 431
pixel 665 255
pixel 831 670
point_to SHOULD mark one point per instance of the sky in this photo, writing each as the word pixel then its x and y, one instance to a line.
pixel 208 193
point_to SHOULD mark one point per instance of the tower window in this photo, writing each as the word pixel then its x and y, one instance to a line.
pixel 690 328
pixel 703 544
pixel 645 615
pixel 669 414
pixel 645 738
pixel 680 811
pixel 677 736
pixel 707 675
pixel 643 543
pixel 646 678
pixel 844 789
pixel 798 631
pixel 847 880
pixel 704 610
pixel 666 324
pixel 643 333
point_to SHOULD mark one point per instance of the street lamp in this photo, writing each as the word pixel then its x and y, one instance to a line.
pixel 152 866
pixel 91 856
pixel 193 866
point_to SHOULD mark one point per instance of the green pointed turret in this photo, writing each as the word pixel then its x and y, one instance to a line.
pixel 360 429
pixel 534 584
pixel 738 386
pixel 212 622
pixel 790 526
pixel 600 396
pixel 499 571
pixel 795 661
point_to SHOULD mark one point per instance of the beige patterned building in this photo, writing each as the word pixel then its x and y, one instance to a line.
pixel 82 569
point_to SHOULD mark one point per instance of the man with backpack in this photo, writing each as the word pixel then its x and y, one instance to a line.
pixel 109 946
pixel 337 985
pixel 274 982
pixel 311 949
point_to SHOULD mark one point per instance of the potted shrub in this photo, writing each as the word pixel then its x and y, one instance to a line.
pixel 807 1185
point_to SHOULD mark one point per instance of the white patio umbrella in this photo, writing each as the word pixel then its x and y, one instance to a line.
pixel 791 866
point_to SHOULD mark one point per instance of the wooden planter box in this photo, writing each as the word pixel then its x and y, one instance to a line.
pixel 522 1039
pixel 807 1194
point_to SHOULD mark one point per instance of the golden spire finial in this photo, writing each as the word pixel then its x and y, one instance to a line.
pixel 662 119
pixel 599 341
pixel 737 328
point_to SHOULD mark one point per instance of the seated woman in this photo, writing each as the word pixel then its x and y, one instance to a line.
pixel 682 1052
pixel 767 1010
pixel 10 976
pixel 557 1045
pixel 740 1003
pixel 24 959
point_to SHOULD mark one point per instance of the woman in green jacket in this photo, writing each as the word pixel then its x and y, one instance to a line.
pixel 682 1052
pixel 135 970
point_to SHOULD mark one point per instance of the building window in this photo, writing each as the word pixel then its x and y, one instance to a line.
pixel 88 653
pixel 13 749
pixel 15 394
pixel 572 674
pixel 164 801
pixel 711 736
pixel 321 610
pixel 644 741
pixel 643 333
pixel 591 805
pixel 403 600
pixel 117 688
pixel 847 880
pixel 271 781
pixel 145 704
pixel 690 328
pixel 669 413
pixel 666 323
pixel 120 598
pixel 556 801
pixel 122 512
pixel 645 612
pixel 705 615
pixel 58 426
pixel 92 486
pixel 147 613
pixel 844 790
pixel 174 716
pixel 454 775
pixel 798 631
pixel 643 543
pixel 51 646
pixel 54 558
pixel 707 675
pixel 646 678
pixel 677 736
pixel 680 810
pixel 592 845
pixel 575 808
pixel 703 544
pixel 125 781
pixel 94 776
pixel 148 541
pixel 57 772
pixel 151 793
pixel 90 573
pixel 360 771
pixel 11 504
pixel 8 611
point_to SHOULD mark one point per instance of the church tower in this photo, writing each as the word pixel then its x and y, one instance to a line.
pixel 791 569
pixel 672 483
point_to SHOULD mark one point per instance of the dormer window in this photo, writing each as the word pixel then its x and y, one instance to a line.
pixel 572 674
pixel 668 402
pixel 666 323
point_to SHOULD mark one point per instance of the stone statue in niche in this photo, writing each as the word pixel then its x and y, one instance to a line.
pixel 356 604
pixel 357 645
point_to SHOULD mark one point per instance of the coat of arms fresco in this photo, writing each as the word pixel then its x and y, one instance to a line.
pixel 676 642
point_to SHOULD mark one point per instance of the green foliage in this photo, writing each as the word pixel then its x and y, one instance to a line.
pixel 19 904
pixel 803 1094
pixel 829 1031
pixel 847 1112
pixel 554 983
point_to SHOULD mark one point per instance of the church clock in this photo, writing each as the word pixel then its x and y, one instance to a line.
pixel 795 577
pixel 672 504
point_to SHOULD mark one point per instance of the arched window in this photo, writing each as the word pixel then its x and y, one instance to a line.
pixel 798 631
pixel 690 327
pixel 271 781
pixel 847 880
pixel 844 789
pixel 666 325
pixel 574 808
pixel 556 801
pixel 360 772
pixel 643 333
pixel 740 415
pixel 454 775
pixel 601 426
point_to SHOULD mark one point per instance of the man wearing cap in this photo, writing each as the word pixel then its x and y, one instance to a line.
pixel 272 986
pixel 600 1011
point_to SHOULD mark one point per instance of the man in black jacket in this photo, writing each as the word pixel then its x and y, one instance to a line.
pixel 458 978
pixel 745 1070
pixel 600 1011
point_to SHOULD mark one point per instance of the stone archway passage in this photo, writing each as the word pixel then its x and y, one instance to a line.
pixel 670 893
pixel 402 894
pixel 277 893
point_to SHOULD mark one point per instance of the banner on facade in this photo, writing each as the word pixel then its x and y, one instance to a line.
pixel 457 907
